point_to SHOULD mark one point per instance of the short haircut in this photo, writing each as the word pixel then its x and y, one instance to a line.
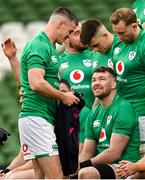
pixel 89 30
pixel 64 81
pixel 123 14
pixel 66 13
pixel 106 69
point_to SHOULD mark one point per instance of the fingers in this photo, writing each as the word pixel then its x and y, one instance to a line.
pixel 13 44
pixel 123 162
pixel 77 100
pixel 7 42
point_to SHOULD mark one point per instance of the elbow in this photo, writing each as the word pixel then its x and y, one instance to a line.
pixel 35 86
pixel 116 155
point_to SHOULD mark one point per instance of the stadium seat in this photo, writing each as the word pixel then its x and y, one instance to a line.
pixel 33 28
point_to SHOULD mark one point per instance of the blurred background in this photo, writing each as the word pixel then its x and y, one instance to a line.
pixel 21 20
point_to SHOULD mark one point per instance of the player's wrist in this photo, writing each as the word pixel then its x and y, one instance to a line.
pixel 12 58
pixel 86 163
pixel 140 166
pixel 5 170
pixel 62 96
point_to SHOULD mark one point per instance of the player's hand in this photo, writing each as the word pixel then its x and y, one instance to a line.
pixel 69 99
pixel 9 49
pixel 126 169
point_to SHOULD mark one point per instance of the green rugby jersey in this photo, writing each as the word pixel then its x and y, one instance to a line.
pixel 39 53
pixel 105 59
pixel 129 64
pixel 83 117
pixel 139 8
pixel 77 69
pixel 102 59
pixel 119 118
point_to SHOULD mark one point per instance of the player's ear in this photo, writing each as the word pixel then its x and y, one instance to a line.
pixel 114 84
pixel 59 23
pixel 134 25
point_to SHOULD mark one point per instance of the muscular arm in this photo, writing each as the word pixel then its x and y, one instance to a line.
pixel 18 161
pixel 88 150
pixel 117 144
pixel 26 166
pixel 10 51
pixel 39 84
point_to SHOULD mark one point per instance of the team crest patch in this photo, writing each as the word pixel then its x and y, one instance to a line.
pixel 96 123
pixel 117 50
pixel 87 62
pixel 95 63
pixel 109 118
pixel 120 67
pixel 54 59
pixel 131 55
pixel 110 64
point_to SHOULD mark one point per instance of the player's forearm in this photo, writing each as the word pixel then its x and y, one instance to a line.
pixel 15 66
pixel 84 156
pixel 17 162
pixel 45 89
pixel 26 166
pixel 106 157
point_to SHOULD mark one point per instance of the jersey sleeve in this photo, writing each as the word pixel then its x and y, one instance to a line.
pixel 38 58
pixel 89 131
pixel 125 119
pixel 142 52
pixel 89 128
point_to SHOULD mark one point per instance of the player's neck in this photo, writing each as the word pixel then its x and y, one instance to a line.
pixel 137 33
pixel 72 50
pixel 108 99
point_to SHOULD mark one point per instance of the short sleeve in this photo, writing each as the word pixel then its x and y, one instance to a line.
pixel 125 119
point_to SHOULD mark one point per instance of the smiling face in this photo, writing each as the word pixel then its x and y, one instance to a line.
pixel 65 28
pixel 102 84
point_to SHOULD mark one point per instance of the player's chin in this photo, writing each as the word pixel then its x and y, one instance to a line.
pixel 60 41
pixel 96 93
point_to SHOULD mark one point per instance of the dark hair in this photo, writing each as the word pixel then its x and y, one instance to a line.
pixel 106 69
pixel 64 81
pixel 123 14
pixel 67 13
pixel 89 30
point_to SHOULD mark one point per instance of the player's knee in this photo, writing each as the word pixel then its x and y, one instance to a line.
pixel 88 172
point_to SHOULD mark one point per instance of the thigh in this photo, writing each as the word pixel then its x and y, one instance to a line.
pixel 25 174
pixel 51 166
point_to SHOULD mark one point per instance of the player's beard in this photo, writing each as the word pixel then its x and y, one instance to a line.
pixel 103 94
pixel 79 47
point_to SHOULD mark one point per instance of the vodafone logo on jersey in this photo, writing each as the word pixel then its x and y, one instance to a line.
pixel 25 147
pixel 102 135
pixel 120 67
pixel 76 76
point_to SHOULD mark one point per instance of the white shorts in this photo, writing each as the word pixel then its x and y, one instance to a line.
pixel 37 137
